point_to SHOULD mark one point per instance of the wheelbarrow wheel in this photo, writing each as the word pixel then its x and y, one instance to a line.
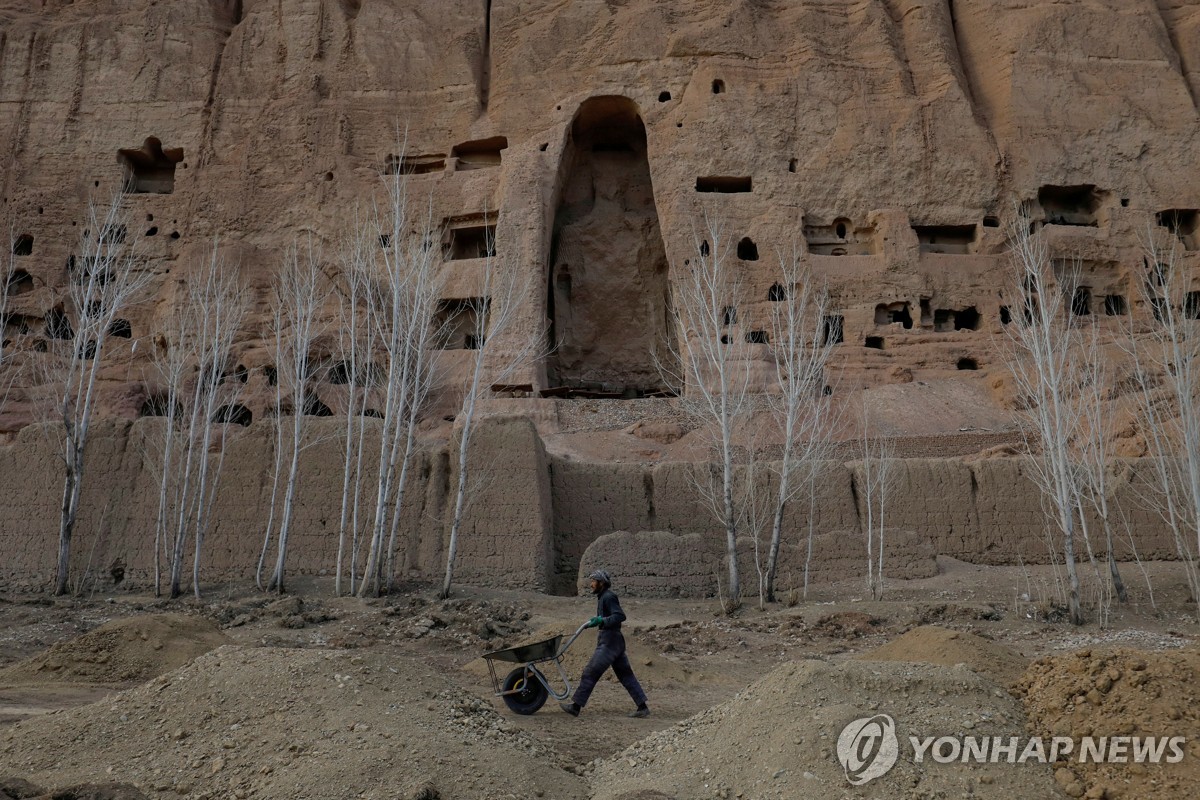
pixel 529 694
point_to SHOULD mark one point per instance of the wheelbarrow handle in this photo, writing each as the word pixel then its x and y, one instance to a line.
pixel 571 640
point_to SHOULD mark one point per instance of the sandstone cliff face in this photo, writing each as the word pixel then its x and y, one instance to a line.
pixel 884 139
pixel 887 141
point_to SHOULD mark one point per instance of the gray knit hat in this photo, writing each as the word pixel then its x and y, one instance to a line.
pixel 602 576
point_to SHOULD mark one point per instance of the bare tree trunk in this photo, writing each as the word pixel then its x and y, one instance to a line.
pixel 104 280
pixel 289 500
pixel 276 472
pixel 506 289
pixel 300 297
pixel 1043 357
pixel 356 269
pixel 715 374
pixel 1170 420
pixel 801 353
pixel 876 468
pixel 408 300
pixel 67 525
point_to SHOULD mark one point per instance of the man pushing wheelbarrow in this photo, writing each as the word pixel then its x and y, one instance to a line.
pixel 526 688
pixel 610 651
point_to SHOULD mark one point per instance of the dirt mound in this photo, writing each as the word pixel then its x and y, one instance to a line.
pixel 847 624
pixel 121 653
pixel 296 723
pixel 478 624
pixel 95 791
pixel 17 789
pixel 777 739
pixel 933 645
pixel 288 612
pixel 1120 692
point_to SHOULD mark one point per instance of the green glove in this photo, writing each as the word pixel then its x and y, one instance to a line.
pixel 594 622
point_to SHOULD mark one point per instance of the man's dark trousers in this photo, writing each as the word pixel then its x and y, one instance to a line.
pixel 610 652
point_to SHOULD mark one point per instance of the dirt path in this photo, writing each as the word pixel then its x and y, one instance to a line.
pixel 252 696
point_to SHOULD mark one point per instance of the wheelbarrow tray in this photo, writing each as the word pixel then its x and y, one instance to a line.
pixel 525 653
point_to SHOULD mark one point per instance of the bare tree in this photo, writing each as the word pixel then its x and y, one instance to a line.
pixel 8 282
pixel 1044 362
pixel 300 294
pixel 875 466
pixel 404 299
pixel 1093 449
pixel 104 280
pixel 501 352
pixel 758 506
pixel 1166 368
pixel 716 374
pixel 193 363
pixel 802 349
pixel 356 343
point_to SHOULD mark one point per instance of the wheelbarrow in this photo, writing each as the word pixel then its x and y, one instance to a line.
pixel 526 688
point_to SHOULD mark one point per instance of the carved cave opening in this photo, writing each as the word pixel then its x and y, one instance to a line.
pixel 234 414
pixel 608 293
pixel 58 326
pixel 833 329
pixel 949 319
pixel 479 154
pixel 747 250
pixel 17 325
pixel 414 164
pixel 1081 302
pixel 1184 223
pixel 891 313
pixel 1071 205
pixel 157 404
pixel 313 407
pixel 19 282
pixel 457 323
pixel 469 237
pixel 725 184
pixel 839 238
pixel 240 374
pixel 150 169
pixel 1115 305
pixel 945 239
pixel 1191 305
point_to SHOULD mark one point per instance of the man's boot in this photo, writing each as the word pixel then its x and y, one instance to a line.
pixel 641 711
pixel 572 708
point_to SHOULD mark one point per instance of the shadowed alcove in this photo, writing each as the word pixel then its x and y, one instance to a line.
pixel 608 291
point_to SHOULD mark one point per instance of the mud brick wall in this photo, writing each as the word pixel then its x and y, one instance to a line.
pixel 591 499
pixel 663 564
pixel 534 521
pixel 505 537
pixel 935 496
pixel 119 504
